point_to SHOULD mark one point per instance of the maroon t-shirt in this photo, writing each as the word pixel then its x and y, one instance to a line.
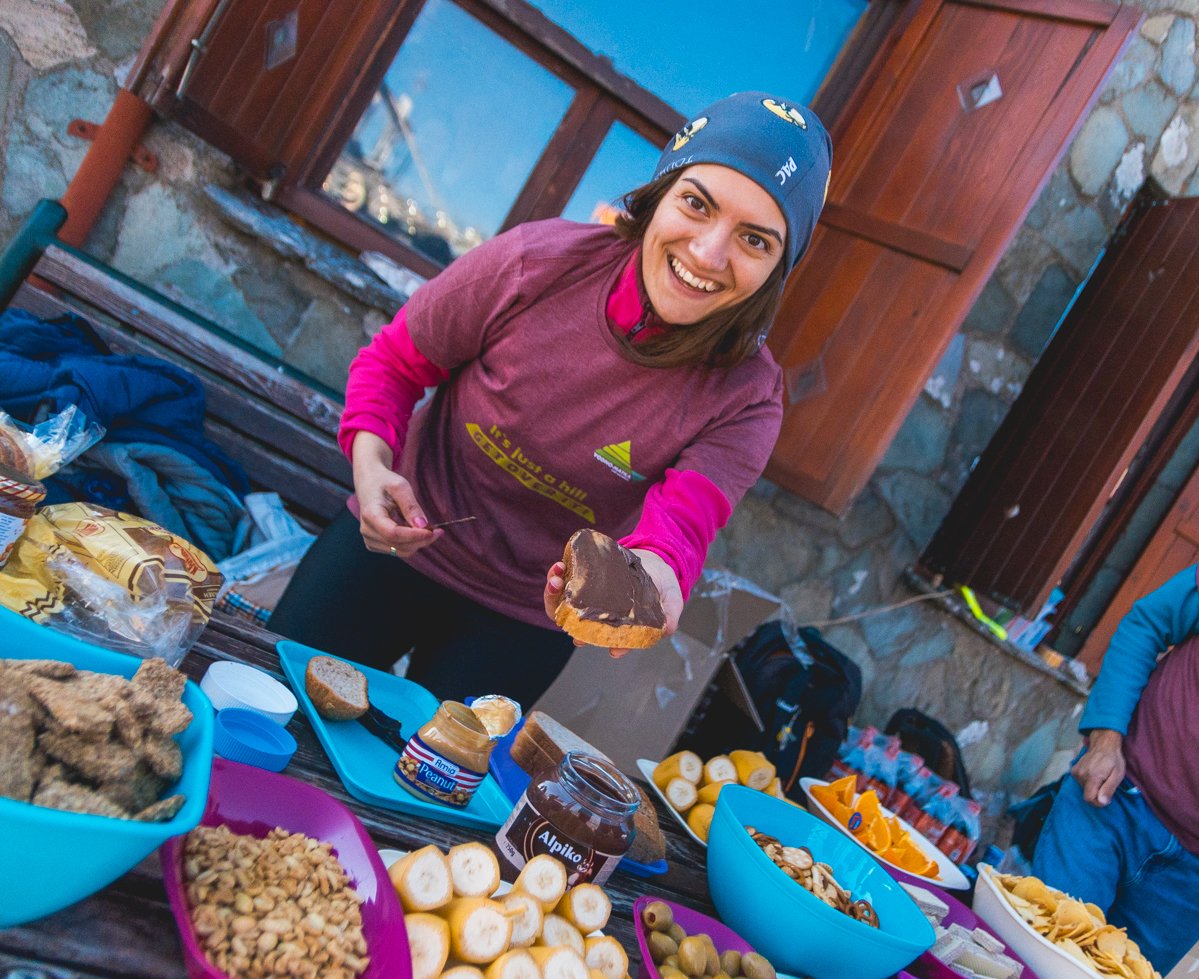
pixel 544 427
pixel 1157 748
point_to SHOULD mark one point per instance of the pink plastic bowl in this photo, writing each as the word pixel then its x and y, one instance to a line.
pixel 252 801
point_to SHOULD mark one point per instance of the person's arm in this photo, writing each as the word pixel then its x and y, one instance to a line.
pixel 679 521
pixel 682 514
pixel 387 378
pixel 1161 619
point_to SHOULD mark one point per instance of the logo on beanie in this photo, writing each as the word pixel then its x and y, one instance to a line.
pixel 786 112
pixel 683 136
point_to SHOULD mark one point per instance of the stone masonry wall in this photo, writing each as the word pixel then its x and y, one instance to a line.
pixel 59 61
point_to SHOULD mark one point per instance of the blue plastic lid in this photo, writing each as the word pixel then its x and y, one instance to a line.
pixel 253 739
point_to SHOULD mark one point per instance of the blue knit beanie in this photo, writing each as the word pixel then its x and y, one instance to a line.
pixel 779 145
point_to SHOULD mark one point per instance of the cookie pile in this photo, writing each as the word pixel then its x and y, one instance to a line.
pixel 89 742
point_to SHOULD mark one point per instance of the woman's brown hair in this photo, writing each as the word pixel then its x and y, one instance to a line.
pixel 723 339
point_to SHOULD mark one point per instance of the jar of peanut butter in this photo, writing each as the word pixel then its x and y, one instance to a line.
pixel 446 760
pixel 19 498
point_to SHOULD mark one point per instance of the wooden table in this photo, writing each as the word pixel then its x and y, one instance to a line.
pixel 127 928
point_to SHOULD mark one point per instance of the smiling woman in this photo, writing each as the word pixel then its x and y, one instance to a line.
pixel 609 377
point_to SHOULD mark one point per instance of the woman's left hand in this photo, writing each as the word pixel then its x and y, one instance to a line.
pixel 660 573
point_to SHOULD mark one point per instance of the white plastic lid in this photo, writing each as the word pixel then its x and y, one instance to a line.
pixel 239 685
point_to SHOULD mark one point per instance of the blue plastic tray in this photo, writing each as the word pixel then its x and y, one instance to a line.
pixel 364 763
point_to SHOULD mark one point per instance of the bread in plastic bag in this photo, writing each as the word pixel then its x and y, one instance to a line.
pixel 41 450
pixel 112 579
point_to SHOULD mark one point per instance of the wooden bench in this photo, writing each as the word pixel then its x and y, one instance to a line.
pixel 280 425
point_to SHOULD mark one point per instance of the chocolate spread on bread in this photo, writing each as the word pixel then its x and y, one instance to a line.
pixel 606 583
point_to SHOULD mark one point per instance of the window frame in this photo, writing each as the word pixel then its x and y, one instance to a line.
pixel 312 144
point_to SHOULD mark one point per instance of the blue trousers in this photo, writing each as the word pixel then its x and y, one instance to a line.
pixel 1121 858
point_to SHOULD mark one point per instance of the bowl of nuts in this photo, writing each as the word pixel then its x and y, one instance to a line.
pixel 804 895
pixel 278 874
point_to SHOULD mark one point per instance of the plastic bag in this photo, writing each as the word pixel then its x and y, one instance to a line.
pixel 111 579
pixel 51 444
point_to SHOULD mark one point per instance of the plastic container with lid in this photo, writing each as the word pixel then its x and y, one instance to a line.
pixel 19 498
pixel 446 760
pixel 581 812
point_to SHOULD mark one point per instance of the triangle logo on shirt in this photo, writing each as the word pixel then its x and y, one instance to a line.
pixel 619 458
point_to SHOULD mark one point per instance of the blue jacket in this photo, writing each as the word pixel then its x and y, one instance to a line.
pixel 46 365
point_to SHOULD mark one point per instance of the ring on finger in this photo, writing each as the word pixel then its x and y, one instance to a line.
pixel 393 552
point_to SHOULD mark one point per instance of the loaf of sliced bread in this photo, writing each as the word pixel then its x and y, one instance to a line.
pixel 540 745
pixel 337 690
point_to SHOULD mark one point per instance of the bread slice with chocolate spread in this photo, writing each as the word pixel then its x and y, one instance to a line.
pixel 609 599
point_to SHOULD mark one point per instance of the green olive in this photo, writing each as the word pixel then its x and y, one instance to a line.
pixel 660 947
pixel 756 966
pixel 658 916
pixel 693 956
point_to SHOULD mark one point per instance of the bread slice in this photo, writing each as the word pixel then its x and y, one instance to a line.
pixel 540 745
pixel 336 689
pixel 13 452
pixel 609 599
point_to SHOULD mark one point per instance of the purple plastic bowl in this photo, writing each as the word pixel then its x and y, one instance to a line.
pixel 693 923
pixel 253 801
pixel 929 967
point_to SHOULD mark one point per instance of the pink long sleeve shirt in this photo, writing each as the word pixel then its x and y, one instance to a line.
pixel 540 426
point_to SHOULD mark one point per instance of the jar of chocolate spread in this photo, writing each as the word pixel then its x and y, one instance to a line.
pixel 580 812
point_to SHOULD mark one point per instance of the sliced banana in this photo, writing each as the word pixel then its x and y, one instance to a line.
pixel 605 953
pixel 428 943
pixel 526 923
pixel 516 963
pixel 422 879
pixel 585 906
pixel 556 930
pixel 560 962
pixel 480 929
pixel 474 870
pixel 545 878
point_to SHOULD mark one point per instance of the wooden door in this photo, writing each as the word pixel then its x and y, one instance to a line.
pixel 1092 403
pixel 1173 547
pixel 937 159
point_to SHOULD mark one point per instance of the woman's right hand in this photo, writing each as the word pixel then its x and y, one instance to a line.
pixel 389 517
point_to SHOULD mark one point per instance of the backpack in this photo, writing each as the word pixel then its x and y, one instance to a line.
pixel 932 741
pixel 1029 817
pixel 805 692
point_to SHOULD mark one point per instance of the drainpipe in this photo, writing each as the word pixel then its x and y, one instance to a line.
pixel 113 143
pixel 116 140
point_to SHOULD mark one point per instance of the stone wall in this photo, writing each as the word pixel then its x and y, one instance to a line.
pixel 59 61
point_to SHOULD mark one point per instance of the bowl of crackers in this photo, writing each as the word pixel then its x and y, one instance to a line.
pixel 1056 934
pixel 103 757
pixel 803 894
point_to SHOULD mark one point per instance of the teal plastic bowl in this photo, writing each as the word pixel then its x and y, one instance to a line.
pixel 50 859
pixel 796 931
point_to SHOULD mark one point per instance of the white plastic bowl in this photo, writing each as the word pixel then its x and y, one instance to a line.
pixel 238 685
pixel 951 876
pixel 1041 955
